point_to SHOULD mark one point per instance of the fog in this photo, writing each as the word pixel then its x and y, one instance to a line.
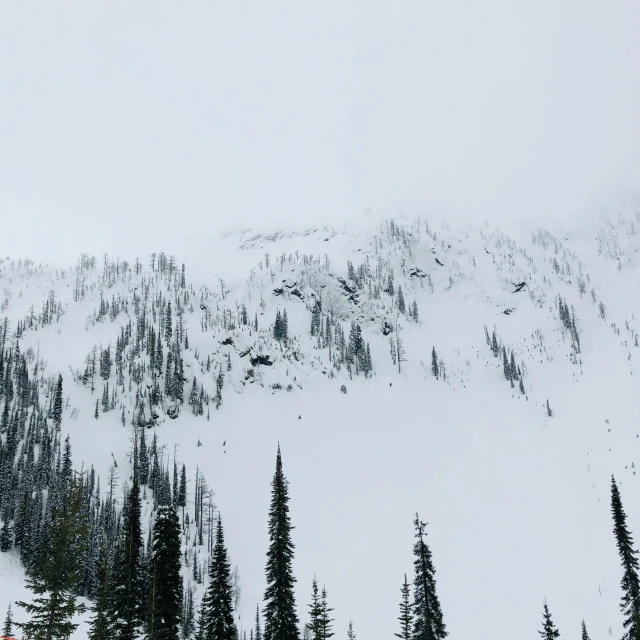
pixel 131 125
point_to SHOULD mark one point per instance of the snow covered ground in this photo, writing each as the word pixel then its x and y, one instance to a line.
pixel 517 502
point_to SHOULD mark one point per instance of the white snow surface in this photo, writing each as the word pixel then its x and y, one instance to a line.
pixel 517 503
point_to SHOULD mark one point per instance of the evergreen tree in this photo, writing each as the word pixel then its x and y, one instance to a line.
pixel 6 533
pixel 315 612
pixel 400 301
pixel 434 363
pixel 585 635
pixel 258 630
pixel 57 403
pixel 217 606
pixel 165 581
pixel 326 627
pixel 350 634
pixel 101 625
pixel 549 629
pixel 57 574
pixel 406 614
pixel 128 593
pixel 428 623
pixel 281 620
pixel 7 627
pixel 630 604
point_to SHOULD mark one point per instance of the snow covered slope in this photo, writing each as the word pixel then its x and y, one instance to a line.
pixel 517 500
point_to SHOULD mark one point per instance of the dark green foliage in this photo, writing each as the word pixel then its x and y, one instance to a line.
pixel 101 625
pixel 258 630
pixel 128 604
pixel 7 627
pixel 281 620
pixel 217 609
pixel 406 612
pixel 165 581
pixel 57 574
pixel 549 629
pixel 315 612
pixel 630 584
pixel 326 621
pixel 428 622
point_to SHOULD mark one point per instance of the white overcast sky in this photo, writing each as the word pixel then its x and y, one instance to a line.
pixel 135 122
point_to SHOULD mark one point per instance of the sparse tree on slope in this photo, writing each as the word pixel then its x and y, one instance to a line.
pixel 315 612
pixel 428 623
pixel 434 363
pixel 549 629
pixel 281 620
pixel 585 635
pixel 630 604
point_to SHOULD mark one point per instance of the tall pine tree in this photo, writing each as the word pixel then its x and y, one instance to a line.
pixel 280 618
pixel 165 581
pixel 217 607
pixel 630 604
pixel 549 629
pixel 428 623
pixel 406 612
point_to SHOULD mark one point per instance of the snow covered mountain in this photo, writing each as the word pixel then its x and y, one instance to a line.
pixel 484 379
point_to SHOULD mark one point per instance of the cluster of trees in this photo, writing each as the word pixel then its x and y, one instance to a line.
pixel 568 319
pixel 512 372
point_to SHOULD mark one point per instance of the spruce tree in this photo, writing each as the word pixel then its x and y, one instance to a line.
pixel 585 635
pixel 326 627
pixel 549 629
pixel 281 620
pixel 428 623
pixel 630 604
pixel 57 403
pixel 165 581
pixel 7 627
pixel 217 607
pixel 258 630
pixel 55 577
pixel 434 363
pixel 315 612
pixel 350 634
pixel 406 614
pixel 101 625
pixel 127 602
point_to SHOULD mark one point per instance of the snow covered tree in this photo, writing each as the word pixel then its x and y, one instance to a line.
pixel 400 301
pixel 630 584
pixel 281 620
pixel 127 596
pixel 57 403
pixel 549 629
pixel 406 613
pixel 57 574
pixel 165 581
pixel 258 630
pixel 428 623
pixel 217 608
